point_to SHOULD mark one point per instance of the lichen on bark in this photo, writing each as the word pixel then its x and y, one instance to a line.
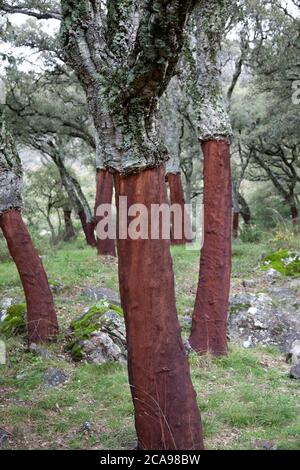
pixel 125 62
pixel 10 171
pixel 202 68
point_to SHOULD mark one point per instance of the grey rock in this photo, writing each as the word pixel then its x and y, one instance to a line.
pixel 100 348
pixel 108 343
pixel 185 322
pixel 295 284
pixel 255 320
pixel 55 377
pixel 295 372
pixel 249 283
pixel 4 435
pixel 4 304
pixel 294 353
pixel 86 427
pixel 39 351
pixel 272 275
pixel 265 445
pixel 56 286
pixel 188 348
pixel 102 293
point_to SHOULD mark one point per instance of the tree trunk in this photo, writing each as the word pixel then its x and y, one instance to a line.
pixel 88 229
pixel 166 413
pixel 104 194
pixel 69 228
pixel 245 209
pixel 295 215
pixel 235 225
pixel 41 317
pixel 209 325
pixel 177 197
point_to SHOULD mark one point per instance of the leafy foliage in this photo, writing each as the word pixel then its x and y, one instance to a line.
pixel 14 322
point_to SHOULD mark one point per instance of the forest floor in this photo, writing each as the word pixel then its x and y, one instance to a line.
pixel 247 399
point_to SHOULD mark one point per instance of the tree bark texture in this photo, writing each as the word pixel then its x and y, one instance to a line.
pixel 209 325
pixel 166 413
pixel 41 317
pixel 104 193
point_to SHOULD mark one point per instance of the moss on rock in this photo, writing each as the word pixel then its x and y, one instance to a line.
pixel 90 322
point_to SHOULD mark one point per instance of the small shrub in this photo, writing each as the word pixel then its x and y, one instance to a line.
pixel 284 261
pixel 14 322
pixel 250 234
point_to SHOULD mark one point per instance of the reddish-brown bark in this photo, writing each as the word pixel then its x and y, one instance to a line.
pixel 211 308
pixel 104 194
pixel 41 317
pixel 166 412
pixel 235 225
pixel 177 197
pixel 88 228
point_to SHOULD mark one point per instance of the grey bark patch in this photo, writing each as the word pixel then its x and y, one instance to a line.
pixel 203 69
pixel 10 191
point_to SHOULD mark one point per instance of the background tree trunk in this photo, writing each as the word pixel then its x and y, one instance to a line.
pixel 236 211
pixel 73 189
pixel 166 413
pixel 41 317
pixel 177 197
pixel 209 325
pixel 295 215
pixel 69 228
pixel 235 225
pixel 244 209
pixel 104 194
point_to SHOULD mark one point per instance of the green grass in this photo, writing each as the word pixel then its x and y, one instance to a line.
pixel 244 397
